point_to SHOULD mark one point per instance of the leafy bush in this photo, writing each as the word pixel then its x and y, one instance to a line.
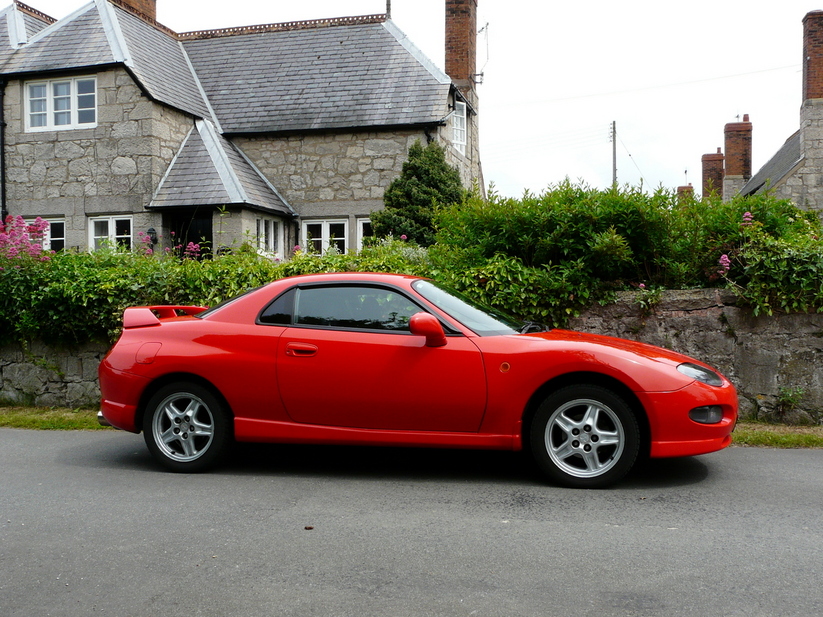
pixel 778 274
pixel 590 242
pixel 543 258
pixel 77 297
pixel 426 183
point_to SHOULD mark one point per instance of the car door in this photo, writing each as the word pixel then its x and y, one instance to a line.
pixel 348 359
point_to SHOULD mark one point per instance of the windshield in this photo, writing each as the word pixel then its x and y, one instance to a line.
pixel 480 319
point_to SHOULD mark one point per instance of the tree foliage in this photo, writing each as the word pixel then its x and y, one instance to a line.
pixel 426 183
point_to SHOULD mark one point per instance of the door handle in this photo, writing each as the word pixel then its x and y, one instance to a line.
pixel 300 349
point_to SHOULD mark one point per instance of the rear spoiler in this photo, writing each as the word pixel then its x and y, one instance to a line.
pixel 144 316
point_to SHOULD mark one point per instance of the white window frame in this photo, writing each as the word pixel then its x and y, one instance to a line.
pixel 269 234
pixel 361 232
pixel 459 127
pixel 51 103
pixel 322 243
pixel 111 237
pixel 49 236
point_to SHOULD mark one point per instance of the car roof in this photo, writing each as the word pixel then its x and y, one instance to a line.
pixel 334 277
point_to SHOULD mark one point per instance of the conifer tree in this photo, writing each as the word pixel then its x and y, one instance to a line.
pixel 426 182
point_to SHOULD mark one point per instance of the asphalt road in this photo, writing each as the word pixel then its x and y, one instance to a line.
pixel 89 525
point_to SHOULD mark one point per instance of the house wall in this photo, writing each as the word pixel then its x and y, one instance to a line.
pixel 805 186
pixel 344 175
pixel 113 168
pixel 468 165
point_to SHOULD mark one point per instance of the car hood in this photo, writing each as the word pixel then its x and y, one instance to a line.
pixel 645 350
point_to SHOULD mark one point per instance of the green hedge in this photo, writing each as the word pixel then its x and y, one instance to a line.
pixel 543 257
pixel 74 297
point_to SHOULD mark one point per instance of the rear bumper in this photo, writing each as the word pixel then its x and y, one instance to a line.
pixel 118 415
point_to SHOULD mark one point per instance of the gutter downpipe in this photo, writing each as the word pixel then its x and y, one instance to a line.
pixel 3 209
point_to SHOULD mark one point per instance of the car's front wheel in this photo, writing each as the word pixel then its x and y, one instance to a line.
pixel 186 427
pixel 584 436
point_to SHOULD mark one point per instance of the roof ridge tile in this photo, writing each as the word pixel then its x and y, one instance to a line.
pixel 283 26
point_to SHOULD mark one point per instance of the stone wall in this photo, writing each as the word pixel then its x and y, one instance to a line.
pixel 344 175
pixel 44 376
pixel 765 357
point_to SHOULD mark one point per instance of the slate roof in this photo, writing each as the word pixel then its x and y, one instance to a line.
pixel 777 168
pixel 159 63
pixel 344 73
pixel 101 34
pixel 344 76
pixel 209 170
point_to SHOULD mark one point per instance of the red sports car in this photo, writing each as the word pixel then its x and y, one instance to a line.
pixel 384 359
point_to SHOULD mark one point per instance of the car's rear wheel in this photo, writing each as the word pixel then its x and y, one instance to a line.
pixel 186 427
pixel 584 436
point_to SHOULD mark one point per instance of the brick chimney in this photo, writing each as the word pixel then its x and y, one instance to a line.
pixel 145 8
pixel 738 156
pixel 461 45
pixel 813 55
pixel 713 173
pixel 811 109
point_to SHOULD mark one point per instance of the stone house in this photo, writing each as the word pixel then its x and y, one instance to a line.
pixel 118 130
pixel 795 171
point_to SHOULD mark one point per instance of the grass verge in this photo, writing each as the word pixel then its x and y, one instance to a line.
pixel 777 435
pixel 50 419
pixel 747 434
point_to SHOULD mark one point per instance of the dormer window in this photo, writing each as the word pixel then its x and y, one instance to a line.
pixel 59 104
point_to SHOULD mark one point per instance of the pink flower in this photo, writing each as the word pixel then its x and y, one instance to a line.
pixel 725 264
pixel 404 237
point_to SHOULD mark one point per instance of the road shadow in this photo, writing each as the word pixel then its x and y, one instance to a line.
pixel 124 451
pixel 432 464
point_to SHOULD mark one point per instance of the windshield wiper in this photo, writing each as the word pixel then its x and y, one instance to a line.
pixel 533 326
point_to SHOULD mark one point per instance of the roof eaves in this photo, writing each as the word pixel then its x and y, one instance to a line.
pixel 114 35
pixel 343 128
pixel 231 182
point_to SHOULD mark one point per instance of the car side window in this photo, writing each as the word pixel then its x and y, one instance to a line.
pixel 349 306
pixel 280 311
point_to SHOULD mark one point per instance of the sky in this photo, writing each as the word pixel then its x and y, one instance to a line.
pixel 556 75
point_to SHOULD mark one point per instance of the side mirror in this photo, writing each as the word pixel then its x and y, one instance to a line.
pixel 426 324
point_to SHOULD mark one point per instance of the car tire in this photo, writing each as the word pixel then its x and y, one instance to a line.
pixel 584 436
pixel 186 428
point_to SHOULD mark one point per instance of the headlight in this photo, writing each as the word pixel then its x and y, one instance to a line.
pixel 700 374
